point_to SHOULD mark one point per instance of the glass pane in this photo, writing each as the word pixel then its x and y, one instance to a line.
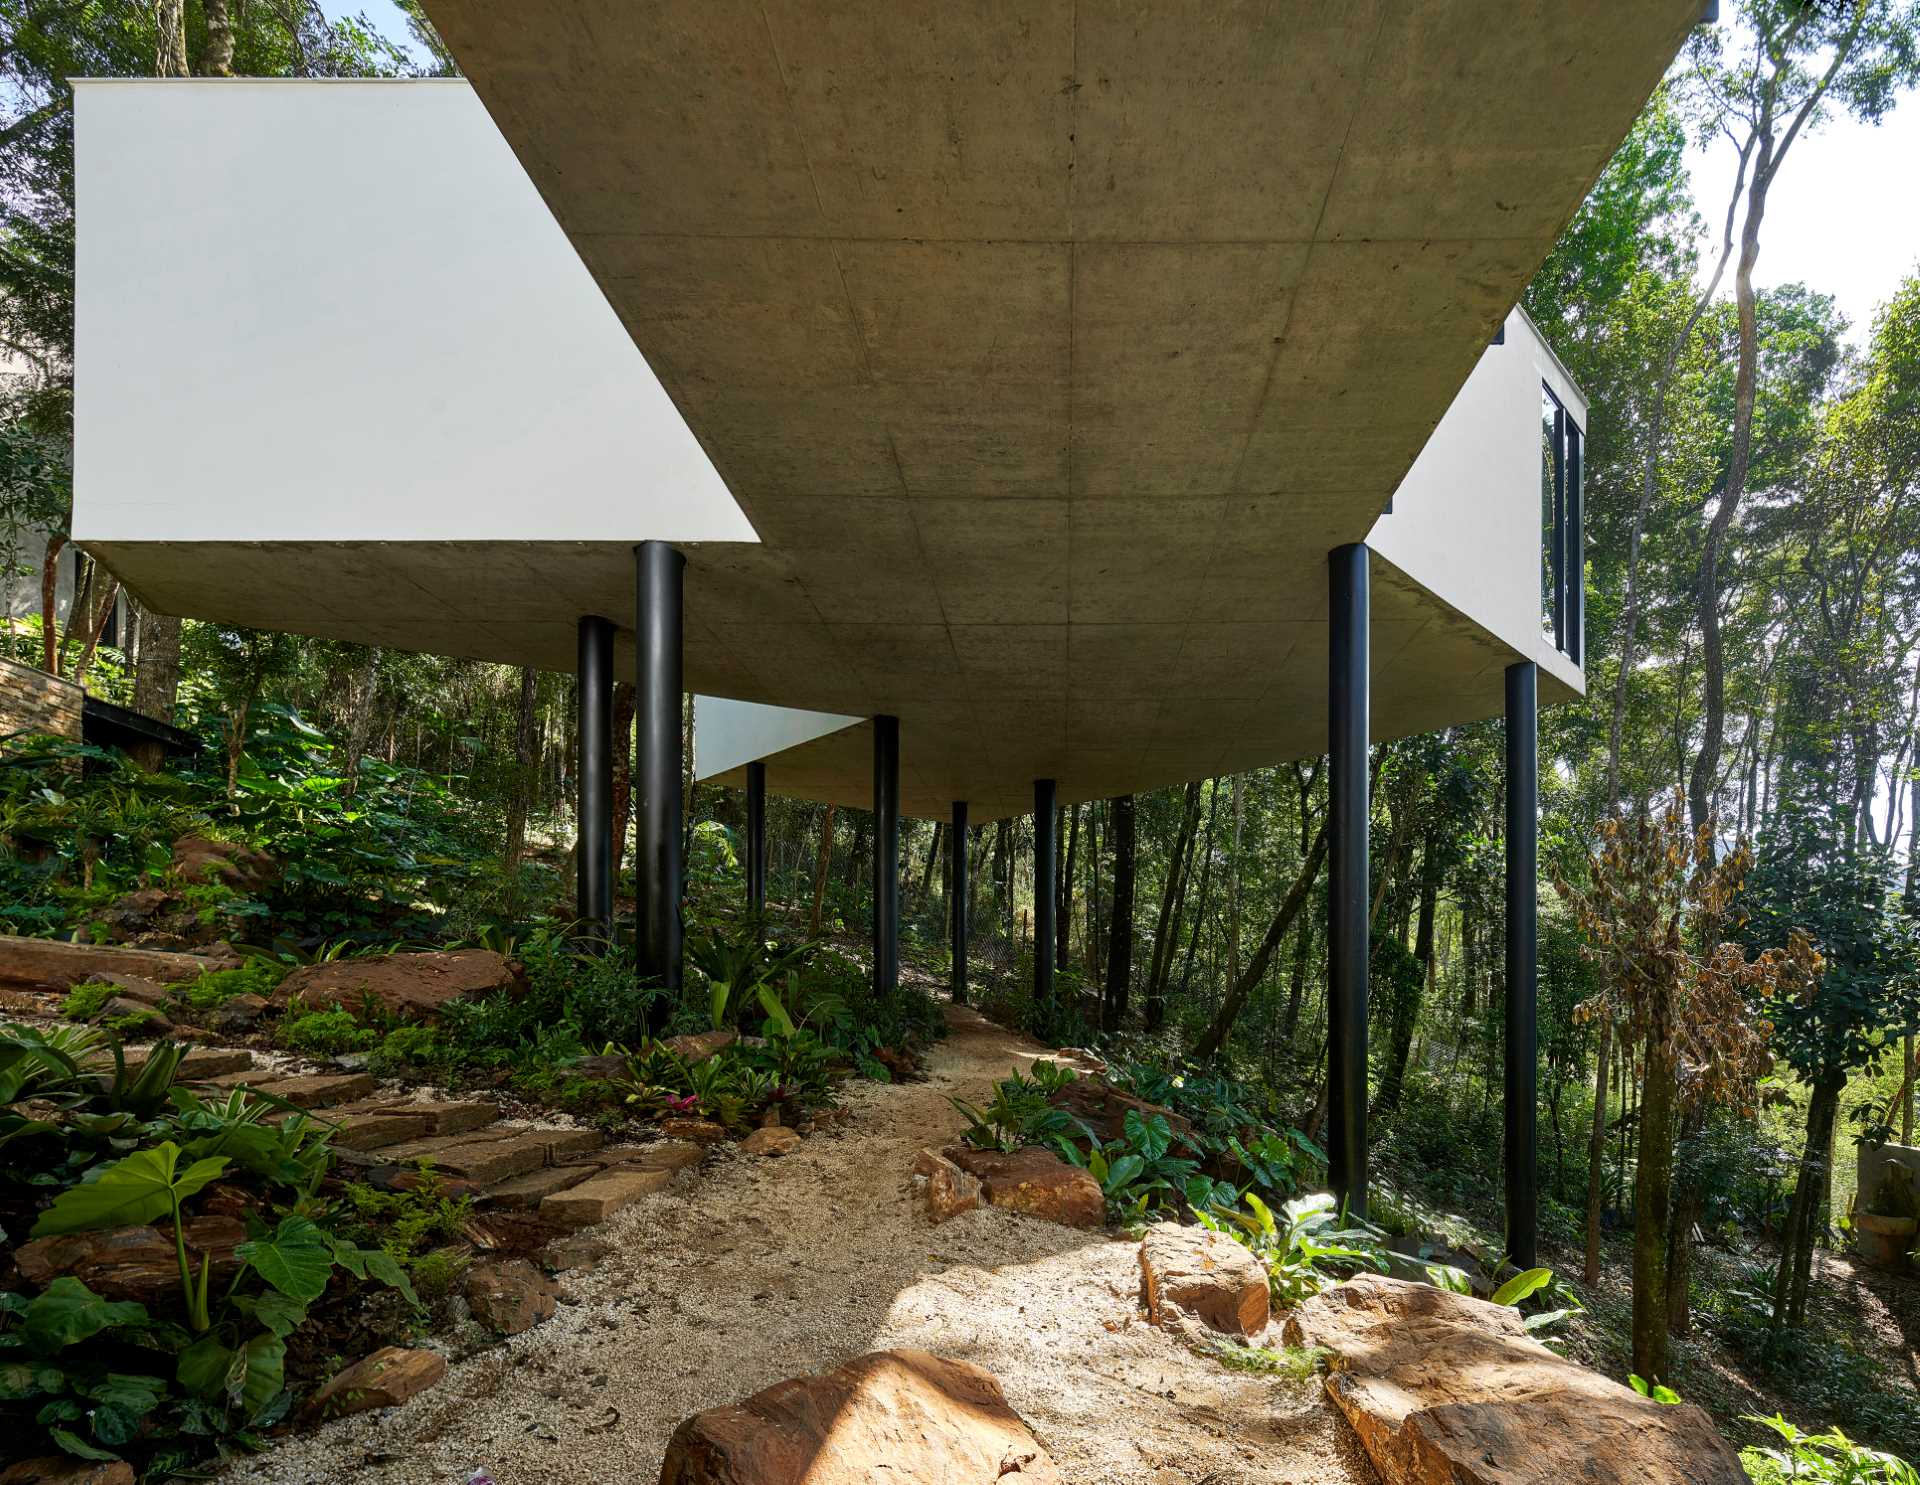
pixel 1548 463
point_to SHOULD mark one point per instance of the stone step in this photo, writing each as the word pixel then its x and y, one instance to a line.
pixel 521 1193
pixel 599 1198
pixel 220 1066
pixel 491 1155
pixel 317 1090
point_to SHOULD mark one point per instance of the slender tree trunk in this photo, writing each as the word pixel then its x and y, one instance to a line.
pixel 1809 1194
pixel 1597 1146
pixel 99 627
pixel 1687 1207
pixel 1297 989
pixel 1652 1193
pixel 360 716
pixel 170 43
pixel 1120 956
pixel 1233 882
pixel 1063 910
pixel 1206 882
pixel 50 605
pixel 1156 965
pixel 1216 1035
pixel 519 803
pixel 926 873
pixel 218 60
pixel 823 863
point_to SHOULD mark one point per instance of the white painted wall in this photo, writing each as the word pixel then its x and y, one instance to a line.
pixel 728 734
pixel 1466 520
pixel 330 311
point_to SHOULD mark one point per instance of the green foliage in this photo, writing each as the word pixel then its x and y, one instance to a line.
pixel 1139 1174
pixel 326 1033
pixel 1305 1246
pixel 1654 1390
pixel 1829 1458
pixel 1293 1363
pixel 84 1002
pixel 1019 1114
pixel 405 1224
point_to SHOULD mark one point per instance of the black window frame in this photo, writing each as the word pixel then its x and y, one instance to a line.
pixel 1563 533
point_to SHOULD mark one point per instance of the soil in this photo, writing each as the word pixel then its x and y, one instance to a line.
pixel 754 1270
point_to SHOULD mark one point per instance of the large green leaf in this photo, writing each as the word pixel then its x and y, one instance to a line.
pixel 69 1312
pixel 266 1358
pixel 120 1403
pixel 1521 1285
pixel 144 1186
pixel 296 1260
pixel 204 1366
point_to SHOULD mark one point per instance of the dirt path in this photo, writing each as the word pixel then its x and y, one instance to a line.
pixel 760 1270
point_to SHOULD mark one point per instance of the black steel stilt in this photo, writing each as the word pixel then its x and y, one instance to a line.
pixel 1523 953
pixel 1046 867
pixel 1348 699
pixel 757 839
pixel 659 573
pixel 957 909
pixel 594 857
pixel 886 855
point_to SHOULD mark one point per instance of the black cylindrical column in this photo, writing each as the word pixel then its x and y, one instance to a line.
pixel 1046 866
pixel 1347 736
pixel 1523 956
pixel 886 855
pixel 957 909
pixel 757 839
pixel 659 573
pixel 594 857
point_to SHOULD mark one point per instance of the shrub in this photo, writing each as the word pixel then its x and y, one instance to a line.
pixel 326 1033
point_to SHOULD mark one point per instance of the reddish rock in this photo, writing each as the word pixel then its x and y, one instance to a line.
pixel 131 1262
pixel 597 1199
pixel 564 1255
pixel 64 1469
pixel 890 1415
pixel 239 1013
pixel 700 1045
pixel 510 1294
pixel 410 986
pixel 770 1140
pixel 54 964
pixel 385 1379
pixel 700 1131
pixel 1036 1182
pixel 950 1190
pixel 134 987
pixel 198 859
pixel 1443 1389
pixel 412 1178
pixel 1189 1273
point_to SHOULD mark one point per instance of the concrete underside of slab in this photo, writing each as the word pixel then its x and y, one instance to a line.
pixel 1049 345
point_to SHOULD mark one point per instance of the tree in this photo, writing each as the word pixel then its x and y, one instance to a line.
pixel 1653 913
pixel 1113 1008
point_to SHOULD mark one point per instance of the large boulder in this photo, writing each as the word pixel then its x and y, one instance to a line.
pixel 132 1262
pixel 1035 1182
pixel 54 964
pixel 890 1415
pixel 1443 1389
pixel 198 859
pixel 410 986
pixel 1190 1274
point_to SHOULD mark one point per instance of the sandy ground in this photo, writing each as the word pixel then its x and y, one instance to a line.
pixel 751 1271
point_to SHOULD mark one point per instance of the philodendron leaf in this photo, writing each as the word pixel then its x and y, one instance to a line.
pixel 130 1192
pixel 296 1260
pixel 204 1366
pixel 1521 1285
pixel 280 1314
pixel 69 1312
pixel 266 1357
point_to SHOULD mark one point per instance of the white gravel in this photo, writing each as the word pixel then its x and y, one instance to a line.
pixel 753 1270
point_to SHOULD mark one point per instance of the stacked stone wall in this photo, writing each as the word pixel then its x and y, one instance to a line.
pixel 33 701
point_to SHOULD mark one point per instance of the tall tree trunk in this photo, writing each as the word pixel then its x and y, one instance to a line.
pixel 218 58
pixel 1406 1007
pixel 102 614
pixel 1687 1207
pixel 823 863
pixel 1652 1193
pixel 1233 882
pixel 519 803
pixel 50 605
pixel 1210 1044
pixel 1156 965
pixel 170 38
pixel 626 701
pixel 360 716
pixel 1597 1145
pixel 1206 883
pixel 1809 1195
pixel 926 873
pixel 1120 956
pixel 1297 988
pixel 1063 909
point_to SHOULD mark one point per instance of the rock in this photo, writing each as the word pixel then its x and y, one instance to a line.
pixel 64 1469
pixel 198 859
pixel 151 1021
pixel 564 1255
pixel 510 1294
pixel 700 1131
pixel 53 964
pixel 238 1013
pixel 770 1140
pixel 134 987
pixel 387 1378
pixel 131 1262
pixel 1188 1272
pixel 699 1046
pixel 951 1191
pixel 1036 1182
pixel 1104 1108
pixel 597 1199
pixel 893 1415
pixel 410 986
pixel 1443 1389
pixel 602 1066
pixel 412 1178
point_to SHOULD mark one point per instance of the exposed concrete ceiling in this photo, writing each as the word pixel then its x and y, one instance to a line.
pixel 1049 345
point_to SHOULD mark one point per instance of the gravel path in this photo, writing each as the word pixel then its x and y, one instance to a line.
pixel 758 1270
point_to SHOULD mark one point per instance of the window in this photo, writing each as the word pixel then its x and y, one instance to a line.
pixel 1562 547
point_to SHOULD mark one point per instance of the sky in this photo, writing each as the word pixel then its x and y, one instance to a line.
pixel 1844 218
pixel 1844 215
